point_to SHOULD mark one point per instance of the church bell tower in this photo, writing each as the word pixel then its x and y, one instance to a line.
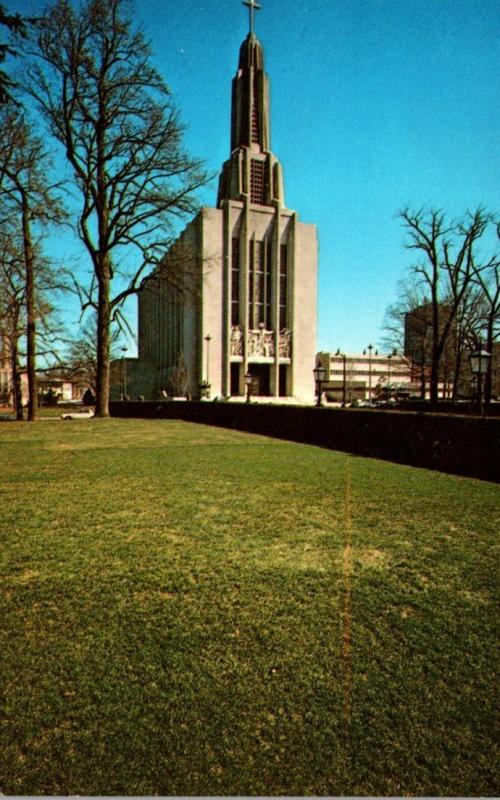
pixel 252 317
pixel 252 170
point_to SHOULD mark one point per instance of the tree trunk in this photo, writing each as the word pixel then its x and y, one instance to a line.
pixel 103 323
pixel 17 395
pixel 488 382
pixel 422 382
pixel 456 375
pixel 435 353
pixel 30 311
pixel 434 381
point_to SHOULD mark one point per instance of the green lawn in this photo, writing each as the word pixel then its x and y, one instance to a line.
pixel 188 610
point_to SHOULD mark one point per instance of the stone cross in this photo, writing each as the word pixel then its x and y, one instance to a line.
pixel 252 6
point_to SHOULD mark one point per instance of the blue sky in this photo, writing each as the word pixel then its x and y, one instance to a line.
pixel 375 104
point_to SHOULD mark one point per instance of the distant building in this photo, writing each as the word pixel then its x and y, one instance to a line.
pixel 469 381
pixel 50 385
pixel 247 305
pixel 366 376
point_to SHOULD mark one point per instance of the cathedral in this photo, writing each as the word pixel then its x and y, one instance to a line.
pixel 247 310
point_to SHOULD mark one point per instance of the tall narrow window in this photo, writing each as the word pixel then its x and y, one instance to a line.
pixel 251 284
pixel 257 181
pixel 283 286
pixel 260 287
pixel 255 113
pixel 267 286
pixel 235 282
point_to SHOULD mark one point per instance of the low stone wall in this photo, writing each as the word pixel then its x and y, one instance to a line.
pixel 460 445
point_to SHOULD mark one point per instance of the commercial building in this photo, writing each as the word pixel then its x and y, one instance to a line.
pixel 366 376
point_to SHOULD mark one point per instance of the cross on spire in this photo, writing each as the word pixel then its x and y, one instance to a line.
pixel 252 7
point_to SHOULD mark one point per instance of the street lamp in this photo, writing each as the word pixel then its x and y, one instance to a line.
pixel 389 362
pixel 370 348
pixel 344 374
pixel 208 339
pixel 248 384
pixel 124 363
pixel 479 363
pixel 319 373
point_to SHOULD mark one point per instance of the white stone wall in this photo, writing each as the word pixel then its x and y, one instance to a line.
pixel 304 306
pixel 206 310
pixel 211 311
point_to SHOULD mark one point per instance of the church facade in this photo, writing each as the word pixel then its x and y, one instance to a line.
pixel 247 304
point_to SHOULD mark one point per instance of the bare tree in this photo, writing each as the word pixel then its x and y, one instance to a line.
pixel 81 358
pixel 445 271
pixel 15 24
pixel 12 310
pixel 469 318
pixel 487 278
pixel 28 201
pixel 114 116
pixel 178 380
pixel 407 326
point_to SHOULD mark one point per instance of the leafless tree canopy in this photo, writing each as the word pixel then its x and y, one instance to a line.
pixel 452 286
pixel 15 24
pixel 81 358
pixel 28 203
pixel 114 116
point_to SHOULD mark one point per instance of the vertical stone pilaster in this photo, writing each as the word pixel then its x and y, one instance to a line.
pixel 291 299
pixel 227 250
pixel 275 290
pixel 244 248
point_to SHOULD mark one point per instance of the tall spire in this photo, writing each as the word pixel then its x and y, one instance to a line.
pixel 252 7
pixel 252 171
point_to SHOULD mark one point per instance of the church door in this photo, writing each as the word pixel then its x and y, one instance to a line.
pixel 260 380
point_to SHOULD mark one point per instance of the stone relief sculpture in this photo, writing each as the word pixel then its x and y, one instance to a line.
pixel 253 343
pixel 236 340
pixel 285 343
pixel 268 344
pixel 261 342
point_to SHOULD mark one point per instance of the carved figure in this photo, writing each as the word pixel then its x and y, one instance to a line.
pixel 253 343
pixel 268 344
pixel 285 343
pixel 261 342
pixel 236 340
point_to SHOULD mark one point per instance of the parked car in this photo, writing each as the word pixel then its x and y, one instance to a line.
pixel 390 403
pixel 85 414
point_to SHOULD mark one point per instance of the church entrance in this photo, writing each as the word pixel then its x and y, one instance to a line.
pixel 283 380
pixel 234 386
pixel 261 379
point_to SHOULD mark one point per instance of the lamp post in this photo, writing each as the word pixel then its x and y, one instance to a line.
pixel 248 384
pixel 479 362
pixel 319 373
pixel 389 361
pixel 124 363
pixel 369 348
pixel 208 339
pixel 344 374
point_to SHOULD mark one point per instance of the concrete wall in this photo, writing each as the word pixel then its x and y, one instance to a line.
pixel 304 310
pixel 450 443
pixel 142 379
pixel 212 317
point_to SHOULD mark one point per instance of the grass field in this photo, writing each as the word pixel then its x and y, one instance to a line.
pixel 188 610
